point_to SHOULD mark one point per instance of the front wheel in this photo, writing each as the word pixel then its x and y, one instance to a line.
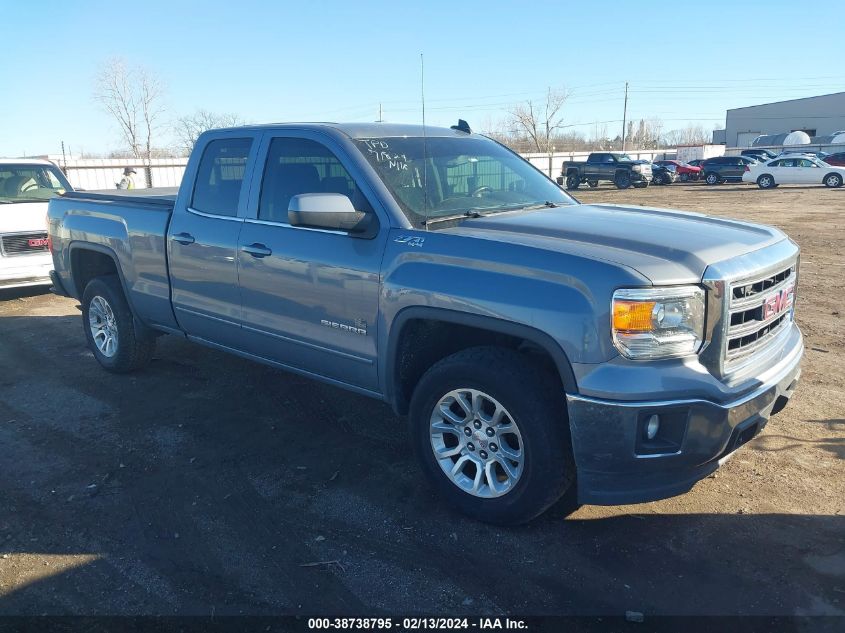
pixel 833 180
pixel 593 183
pixel 684 177
pixel 711 179
pixel 117 342
pixel 622 180
pixel 491 434
pixel 573 181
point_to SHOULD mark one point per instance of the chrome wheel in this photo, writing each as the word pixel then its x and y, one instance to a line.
pixel 103 326
pixel 477 443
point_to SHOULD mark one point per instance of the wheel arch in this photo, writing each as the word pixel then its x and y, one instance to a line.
pixel 88 261
pixel 404 368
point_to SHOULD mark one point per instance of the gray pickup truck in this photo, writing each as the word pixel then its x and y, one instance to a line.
pixel 537 345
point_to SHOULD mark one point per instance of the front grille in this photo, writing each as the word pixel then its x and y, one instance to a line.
pixel 23 243
pixel 759 309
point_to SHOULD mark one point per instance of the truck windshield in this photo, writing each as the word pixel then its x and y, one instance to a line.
pixel 451 176
pixel 30 183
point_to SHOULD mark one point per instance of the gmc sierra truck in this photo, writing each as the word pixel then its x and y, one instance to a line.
pixel 620 169
pixel 537 345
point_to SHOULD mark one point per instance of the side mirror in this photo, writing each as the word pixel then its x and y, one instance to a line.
pixel 333 211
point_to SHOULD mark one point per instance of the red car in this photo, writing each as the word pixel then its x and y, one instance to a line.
pixel 837 159
pixel 685 171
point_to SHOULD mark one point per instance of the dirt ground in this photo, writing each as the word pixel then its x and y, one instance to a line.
pixel 207 484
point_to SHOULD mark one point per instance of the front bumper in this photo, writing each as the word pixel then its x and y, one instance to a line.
pixel 617 464
pixel 25 270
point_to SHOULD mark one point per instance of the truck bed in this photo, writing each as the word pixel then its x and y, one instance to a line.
pixel 128 226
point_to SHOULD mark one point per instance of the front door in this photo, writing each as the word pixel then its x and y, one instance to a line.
pixel 310 296
pixel 203 242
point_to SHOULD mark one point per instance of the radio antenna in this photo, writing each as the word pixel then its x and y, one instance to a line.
pixel 425 142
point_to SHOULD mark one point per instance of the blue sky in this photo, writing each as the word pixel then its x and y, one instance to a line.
pixel 320 60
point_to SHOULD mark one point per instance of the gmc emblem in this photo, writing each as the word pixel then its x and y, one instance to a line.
pixel 778 302
pixel 39 241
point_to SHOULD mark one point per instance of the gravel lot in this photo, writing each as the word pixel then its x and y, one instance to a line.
pixel 209 484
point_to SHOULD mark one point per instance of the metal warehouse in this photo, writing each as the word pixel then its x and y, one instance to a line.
pixel 817 116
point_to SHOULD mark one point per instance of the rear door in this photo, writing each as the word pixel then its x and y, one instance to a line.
pixel 203 241
pixel 310 296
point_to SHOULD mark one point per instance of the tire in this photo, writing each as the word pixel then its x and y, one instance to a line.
pixel 622 180
pixel 766 181
pixel 711 178
pixel 492 379
pixel 573 181
pixel 118 343
pixel 684 178
pixel 833 180
pixel 593 183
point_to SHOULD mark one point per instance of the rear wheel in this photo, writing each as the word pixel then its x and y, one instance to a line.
pixel 118 343
pixel 491 434
pixel 711 178
pixel 766 181
pixel 684 177
pixel 833 180
pixel 573 181
pixel 622 180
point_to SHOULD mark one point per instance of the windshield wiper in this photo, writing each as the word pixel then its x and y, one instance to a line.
pixel 524 207
pixel 451 218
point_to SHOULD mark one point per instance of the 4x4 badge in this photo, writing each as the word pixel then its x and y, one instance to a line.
pixel 410 240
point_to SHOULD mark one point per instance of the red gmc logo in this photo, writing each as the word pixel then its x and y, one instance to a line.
pixel 778 302
pixel 39 241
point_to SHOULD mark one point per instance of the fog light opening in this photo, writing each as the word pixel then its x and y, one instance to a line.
pixel 652 427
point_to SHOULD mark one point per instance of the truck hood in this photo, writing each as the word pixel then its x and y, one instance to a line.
pixel 666 246
pixel 21 217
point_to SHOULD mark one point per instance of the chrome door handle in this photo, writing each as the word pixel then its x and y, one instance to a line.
pixel 184 238
pixel 257 250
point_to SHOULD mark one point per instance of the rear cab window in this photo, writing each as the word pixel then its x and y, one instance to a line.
pixel 220 176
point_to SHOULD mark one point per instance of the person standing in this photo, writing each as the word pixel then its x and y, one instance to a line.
pixel 127 182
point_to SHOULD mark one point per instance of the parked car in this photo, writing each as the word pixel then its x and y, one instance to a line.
pixel 725 169
pixel 536 344
pixel 685 171
pixel 837 159
pixel 25 187
pixel 663 174
pixel 620 169
pixel 796 170
pixel 758 154
pixel 696 162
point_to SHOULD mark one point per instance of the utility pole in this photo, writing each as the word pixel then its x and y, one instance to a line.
pixel 380 120
pixel 624 116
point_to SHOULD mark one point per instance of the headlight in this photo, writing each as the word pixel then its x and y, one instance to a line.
pixel 650 323
pixel 637 168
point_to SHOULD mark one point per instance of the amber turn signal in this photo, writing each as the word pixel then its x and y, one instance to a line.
pixel 632 316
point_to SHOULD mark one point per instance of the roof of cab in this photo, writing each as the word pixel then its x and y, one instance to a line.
pixel 362 130
pixel 24 161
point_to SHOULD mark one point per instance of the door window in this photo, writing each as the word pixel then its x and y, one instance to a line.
pixel 296 166
pixel 220 176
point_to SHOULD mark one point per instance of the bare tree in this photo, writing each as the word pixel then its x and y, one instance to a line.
pixel 540 121
pixel 116 94
pixel 690 135
pixel 134 97
pixel 188 128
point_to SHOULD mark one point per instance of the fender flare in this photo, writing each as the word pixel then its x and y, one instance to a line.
pixel 500 326
pixel 104 250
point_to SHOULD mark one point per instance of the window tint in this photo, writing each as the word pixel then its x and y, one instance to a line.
pixel 298 165
pixel 804 162
pixel 220 176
